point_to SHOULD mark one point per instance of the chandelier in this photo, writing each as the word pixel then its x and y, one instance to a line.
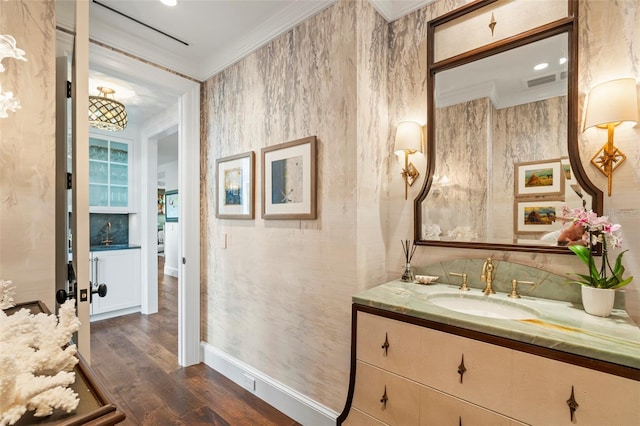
pixel 106 113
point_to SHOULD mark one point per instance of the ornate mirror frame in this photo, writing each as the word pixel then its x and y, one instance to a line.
pixel 568 25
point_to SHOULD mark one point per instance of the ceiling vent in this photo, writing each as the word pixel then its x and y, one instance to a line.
pixel 551 78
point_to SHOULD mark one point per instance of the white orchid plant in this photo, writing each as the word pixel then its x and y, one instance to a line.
pixel 598 230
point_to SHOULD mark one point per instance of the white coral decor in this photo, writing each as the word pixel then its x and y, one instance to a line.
pixel 36 363
pixel 7 290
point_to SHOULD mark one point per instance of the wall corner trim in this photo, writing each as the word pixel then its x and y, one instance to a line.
pixel 299 407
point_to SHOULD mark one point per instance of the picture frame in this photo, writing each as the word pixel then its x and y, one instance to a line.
pixel 172 206
pixel 161 202
pixel 536 216
pixel 235 186
pixel 570 178
pixel 289 180
pixel 539 178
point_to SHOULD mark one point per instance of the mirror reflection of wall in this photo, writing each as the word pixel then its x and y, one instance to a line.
pixel 490 115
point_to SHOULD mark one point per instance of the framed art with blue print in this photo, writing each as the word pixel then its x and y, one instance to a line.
pixel 235 186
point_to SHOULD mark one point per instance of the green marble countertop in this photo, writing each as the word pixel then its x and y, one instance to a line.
pixel 559 325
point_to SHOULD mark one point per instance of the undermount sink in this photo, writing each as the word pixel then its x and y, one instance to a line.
pixel 483 306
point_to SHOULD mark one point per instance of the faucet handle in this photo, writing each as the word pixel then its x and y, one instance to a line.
pixel 514 288
pixel 463 287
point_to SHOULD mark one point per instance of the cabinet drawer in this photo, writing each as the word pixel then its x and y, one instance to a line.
pixel 542 387
pixel 388 344
pixel 468 369
pixel 439 409
pixel 358 418
pixel 402 396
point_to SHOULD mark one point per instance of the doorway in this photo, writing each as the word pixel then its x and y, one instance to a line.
pixel 184 120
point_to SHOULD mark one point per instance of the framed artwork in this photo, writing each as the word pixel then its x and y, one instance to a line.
pixel 567 172
pixel 532 217
pixel 235 186
pixel 171 206
pixel 539 178
pixel 289 180
pixel 160 201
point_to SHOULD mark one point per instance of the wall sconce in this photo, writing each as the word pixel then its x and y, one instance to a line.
pixel 608 105
pixel 409 136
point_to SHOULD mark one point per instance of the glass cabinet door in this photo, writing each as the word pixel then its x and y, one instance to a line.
pixel 108 173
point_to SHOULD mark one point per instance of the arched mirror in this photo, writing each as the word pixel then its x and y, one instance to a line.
pixel 502 129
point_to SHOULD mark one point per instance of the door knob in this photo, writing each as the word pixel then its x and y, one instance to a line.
pixel 100 290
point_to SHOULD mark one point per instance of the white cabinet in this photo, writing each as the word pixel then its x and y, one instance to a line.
pixel 120 271
pixel 110 174
pixel 411 374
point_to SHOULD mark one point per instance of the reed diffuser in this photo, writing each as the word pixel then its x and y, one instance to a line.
pixel 408 249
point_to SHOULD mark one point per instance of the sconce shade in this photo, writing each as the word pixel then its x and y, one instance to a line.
pixel 408 137
pixel 107 113
pixel 612 102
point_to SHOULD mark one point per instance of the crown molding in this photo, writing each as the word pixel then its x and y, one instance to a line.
pixel 270 29
pixel 392 10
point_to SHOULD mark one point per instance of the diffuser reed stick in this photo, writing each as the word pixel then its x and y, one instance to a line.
pixel 408 249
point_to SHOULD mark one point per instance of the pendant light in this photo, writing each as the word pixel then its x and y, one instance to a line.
pixel 105 112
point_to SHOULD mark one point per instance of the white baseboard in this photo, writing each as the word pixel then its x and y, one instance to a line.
pixel 299 407
pixel 171 271
pixel 113 314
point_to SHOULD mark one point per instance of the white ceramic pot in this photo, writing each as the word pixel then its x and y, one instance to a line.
pixel 598 301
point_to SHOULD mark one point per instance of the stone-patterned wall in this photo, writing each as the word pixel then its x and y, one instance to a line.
pixel 609 48
pixel 27 153
pixel 278 297
pixel 373 150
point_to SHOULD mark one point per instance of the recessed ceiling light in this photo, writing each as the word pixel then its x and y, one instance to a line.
pixel 169 2
pixel 541 66
pixel 563 61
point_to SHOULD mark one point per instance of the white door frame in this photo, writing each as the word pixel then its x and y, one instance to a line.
pixel 187 93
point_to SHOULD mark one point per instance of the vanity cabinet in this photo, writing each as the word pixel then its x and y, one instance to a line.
pixel 411 371
pixel 120 271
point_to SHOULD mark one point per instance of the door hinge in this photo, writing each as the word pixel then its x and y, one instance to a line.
pixel 184 260
pixel 68 90
pixel 69 181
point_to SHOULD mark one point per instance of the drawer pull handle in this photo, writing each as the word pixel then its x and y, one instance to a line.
pixel 384 399
pixel 385 345
pixel 461 368
pixel 573 405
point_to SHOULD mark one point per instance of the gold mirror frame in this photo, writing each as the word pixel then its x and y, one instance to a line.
pixel 567 25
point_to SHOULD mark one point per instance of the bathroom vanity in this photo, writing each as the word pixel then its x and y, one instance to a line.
pixel 415 362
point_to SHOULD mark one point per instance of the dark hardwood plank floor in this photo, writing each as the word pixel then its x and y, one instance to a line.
pixel 135 357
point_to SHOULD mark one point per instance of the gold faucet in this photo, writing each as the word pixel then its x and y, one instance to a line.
pixel 107 241
pixel 487 276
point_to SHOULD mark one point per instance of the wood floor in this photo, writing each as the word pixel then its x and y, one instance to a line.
pixel 135 357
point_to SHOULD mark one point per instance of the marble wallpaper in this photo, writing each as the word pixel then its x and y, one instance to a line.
pixel 278 297
pixel 27 152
